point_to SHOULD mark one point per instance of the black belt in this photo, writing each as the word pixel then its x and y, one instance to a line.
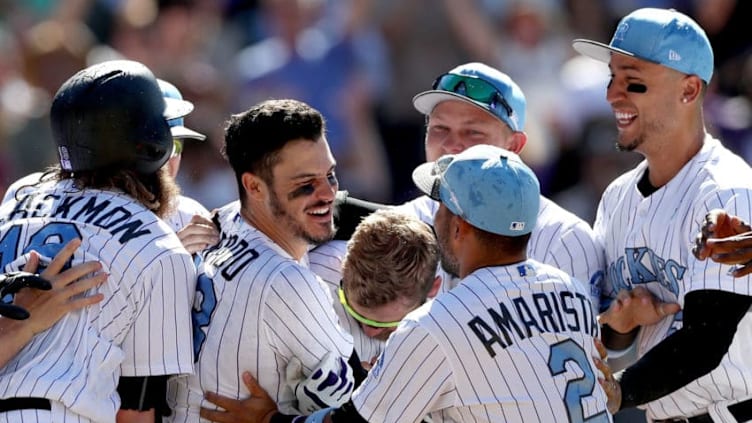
pixel 742 412
pixel 25 403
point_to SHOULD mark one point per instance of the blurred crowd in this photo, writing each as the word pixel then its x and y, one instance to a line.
pixel 359 62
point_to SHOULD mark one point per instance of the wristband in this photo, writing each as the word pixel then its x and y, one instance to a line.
pixel 319 416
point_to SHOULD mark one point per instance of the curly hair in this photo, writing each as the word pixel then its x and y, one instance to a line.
pixel 157 191
pixel 391 256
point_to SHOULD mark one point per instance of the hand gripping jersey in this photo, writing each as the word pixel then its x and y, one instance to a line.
pixel 648 241
pixel 141 327
pixel 255 309
pixel 559 239
pixel 507 344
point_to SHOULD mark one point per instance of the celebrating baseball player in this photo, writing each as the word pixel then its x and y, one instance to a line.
pixel 186 207
pixel 388 270
pixel 694 365
pixel 511 342
pixel 476 104
pixel 109 122
pixel 258 306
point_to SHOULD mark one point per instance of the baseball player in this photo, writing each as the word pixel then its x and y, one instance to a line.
pixel 388 270
pixel 186 207
pixel 190 220
pixel 694 365
pixel 109 123
pixel 258 306
pixel 477 104
pixel 511 342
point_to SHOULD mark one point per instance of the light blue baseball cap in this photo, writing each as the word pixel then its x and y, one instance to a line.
pixel 481 86
pixel 662 36
pixel 177 126
pixel 489 187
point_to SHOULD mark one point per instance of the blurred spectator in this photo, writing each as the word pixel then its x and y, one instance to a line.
pixel 306 60
pixel 359 61
pixel 424 38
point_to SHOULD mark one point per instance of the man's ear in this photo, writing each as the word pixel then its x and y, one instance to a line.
pixel 691 89
pixel 516 142
pixel 464 229
pixel 435 287
pixel 255 188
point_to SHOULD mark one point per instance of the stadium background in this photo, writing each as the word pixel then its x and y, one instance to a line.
pixel 359 62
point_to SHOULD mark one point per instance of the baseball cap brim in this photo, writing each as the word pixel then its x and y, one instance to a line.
pixel 175 108
pixel 425 179
pixel 426 101
pixel 181 132
pixel 598 51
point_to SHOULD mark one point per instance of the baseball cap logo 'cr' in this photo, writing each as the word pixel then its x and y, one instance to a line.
pixel 662 36
pixel 489 187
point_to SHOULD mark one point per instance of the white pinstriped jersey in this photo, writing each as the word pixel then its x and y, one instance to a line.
pixel 326 261
pixel 559 239
pixel 507 344
pixel 141 328
pixel 255 308
pixel 184 212
pixel 648 241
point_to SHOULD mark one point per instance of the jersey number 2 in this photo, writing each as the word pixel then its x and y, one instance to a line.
pixel 577 389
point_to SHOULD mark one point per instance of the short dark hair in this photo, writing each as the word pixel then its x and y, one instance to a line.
pixel 254 138
pixel 508 244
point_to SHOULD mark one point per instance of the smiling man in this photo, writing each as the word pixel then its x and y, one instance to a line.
pixel 258 306
pixel 692 364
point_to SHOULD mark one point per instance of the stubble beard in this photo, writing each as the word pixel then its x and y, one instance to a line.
pixel 298 229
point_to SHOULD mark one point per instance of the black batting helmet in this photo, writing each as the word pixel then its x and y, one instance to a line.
pixel 114 114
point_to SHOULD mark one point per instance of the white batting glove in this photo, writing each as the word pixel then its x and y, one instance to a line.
pixel 329 384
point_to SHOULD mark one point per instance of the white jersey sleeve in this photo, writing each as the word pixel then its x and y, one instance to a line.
pixel 564 241
pixel 156 345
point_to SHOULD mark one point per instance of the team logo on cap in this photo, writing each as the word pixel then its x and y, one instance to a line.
pixel 517 226
pixel 65 162
pixel 621 31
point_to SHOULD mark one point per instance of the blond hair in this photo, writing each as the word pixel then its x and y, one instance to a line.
pixel 391 256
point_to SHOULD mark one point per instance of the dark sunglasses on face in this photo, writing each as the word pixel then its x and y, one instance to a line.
pixel 475 89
